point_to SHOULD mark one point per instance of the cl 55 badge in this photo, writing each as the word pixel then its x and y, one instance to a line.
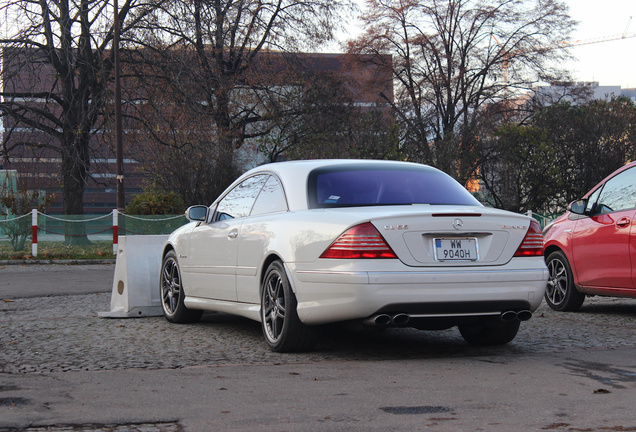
pixel 396 227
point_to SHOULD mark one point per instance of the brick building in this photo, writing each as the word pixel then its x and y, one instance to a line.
pixel 35 155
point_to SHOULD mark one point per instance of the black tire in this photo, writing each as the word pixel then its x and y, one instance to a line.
pixel 281 326
pixel 561 293
pixel 171 293
pixel 491 331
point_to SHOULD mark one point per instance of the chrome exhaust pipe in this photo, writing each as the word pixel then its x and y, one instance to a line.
pixel 524 315
pixel 400 319
pixel 382 320
pixel 508 316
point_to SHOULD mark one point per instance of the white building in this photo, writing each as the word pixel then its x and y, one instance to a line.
pixel 579 92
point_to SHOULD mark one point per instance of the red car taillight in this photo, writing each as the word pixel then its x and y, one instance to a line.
pixel 360 241
pixel 532 244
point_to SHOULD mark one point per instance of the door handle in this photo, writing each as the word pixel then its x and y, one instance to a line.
pixel 233 234
pixel 623 222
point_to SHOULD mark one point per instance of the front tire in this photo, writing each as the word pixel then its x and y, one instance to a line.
pixel 560 293
pixel 489 332
pixel 283 330
pixel 172 295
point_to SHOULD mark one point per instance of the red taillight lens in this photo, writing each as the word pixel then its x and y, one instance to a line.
pixel 360 241
pixel 532 244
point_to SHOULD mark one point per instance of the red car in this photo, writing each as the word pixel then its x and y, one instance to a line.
pixel 591 250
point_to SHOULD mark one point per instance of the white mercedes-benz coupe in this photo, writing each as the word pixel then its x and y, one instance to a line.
pixel 298 244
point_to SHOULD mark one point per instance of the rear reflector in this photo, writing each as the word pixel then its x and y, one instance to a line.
pixel 532 244
pixel 360 241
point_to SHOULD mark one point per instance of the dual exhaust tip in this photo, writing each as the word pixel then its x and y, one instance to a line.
pixel 386 320
pixel 402 319
pixel 509 316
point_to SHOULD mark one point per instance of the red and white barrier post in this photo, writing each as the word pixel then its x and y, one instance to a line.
pixel 115 231
pixel 34 232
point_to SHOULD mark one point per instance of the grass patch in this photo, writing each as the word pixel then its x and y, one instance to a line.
pixel 58 250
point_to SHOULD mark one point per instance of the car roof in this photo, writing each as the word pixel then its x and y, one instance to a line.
pixel 294 174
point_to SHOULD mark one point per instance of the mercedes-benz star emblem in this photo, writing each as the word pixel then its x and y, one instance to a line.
pixel 458 224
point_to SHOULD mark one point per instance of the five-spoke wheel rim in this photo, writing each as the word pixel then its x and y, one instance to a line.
pixel 274 305
pixel 170 286
pixel 557 282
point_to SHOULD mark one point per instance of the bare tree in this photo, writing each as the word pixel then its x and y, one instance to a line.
pixel 57 64
pixel 227 61
pixel 452 58
pixel 327 122
pixel 176 151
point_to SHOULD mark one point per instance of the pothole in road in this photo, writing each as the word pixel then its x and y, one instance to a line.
pixel 132 427
pixel 416 409
pixel 13 402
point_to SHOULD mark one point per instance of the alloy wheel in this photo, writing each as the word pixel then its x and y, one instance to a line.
pixel 274 306
pixel 557 282
pixel 170 286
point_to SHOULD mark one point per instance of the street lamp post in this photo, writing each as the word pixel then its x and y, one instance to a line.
pixel 121 197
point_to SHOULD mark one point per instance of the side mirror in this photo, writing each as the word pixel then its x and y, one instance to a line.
pixel 578 206
pixel 197 213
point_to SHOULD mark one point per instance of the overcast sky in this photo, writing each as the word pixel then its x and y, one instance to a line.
pixel 609 63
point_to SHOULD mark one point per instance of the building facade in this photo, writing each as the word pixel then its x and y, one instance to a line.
pixel 29 148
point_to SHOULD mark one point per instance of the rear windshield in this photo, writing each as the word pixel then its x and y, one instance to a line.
pixel 374 185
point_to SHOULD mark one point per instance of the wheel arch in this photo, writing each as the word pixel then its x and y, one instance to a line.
pixel 266 263
pixel 556 248
pixel 550 249
pixel 167 248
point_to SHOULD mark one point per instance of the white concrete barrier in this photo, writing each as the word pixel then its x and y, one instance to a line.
pixel 136 283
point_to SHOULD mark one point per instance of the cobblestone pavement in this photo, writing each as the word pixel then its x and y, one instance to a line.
pixel 63 333
pixel 41 335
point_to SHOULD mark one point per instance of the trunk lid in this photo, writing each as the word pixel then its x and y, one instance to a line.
pixel 447 236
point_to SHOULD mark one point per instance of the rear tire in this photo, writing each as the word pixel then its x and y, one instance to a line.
pixel 561 293
pixel 283 330
pixel 172 294
pixel 489 332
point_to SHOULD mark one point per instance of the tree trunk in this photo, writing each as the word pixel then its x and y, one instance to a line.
pixel 75 163
pixel 228 141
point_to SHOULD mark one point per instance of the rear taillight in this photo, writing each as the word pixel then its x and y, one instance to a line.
pixel 360 241
pixel 532 244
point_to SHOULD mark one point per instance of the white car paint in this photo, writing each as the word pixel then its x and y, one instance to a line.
pixel 223 263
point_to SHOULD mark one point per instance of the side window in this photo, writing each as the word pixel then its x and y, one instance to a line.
pixel 239 201
pixel 619 193
pixel 271 199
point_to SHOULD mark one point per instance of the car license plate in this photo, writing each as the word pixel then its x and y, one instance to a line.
pixel 456 249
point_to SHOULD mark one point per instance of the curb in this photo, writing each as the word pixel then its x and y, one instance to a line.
pixel 58 262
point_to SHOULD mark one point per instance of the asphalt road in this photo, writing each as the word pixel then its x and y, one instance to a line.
pixel 64 369
pixel 33 280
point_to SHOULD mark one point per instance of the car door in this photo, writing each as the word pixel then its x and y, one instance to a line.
pixel 602 242
pixel 257 233
pixel 214 245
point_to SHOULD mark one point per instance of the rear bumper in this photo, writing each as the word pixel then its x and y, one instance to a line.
pixel 340 295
